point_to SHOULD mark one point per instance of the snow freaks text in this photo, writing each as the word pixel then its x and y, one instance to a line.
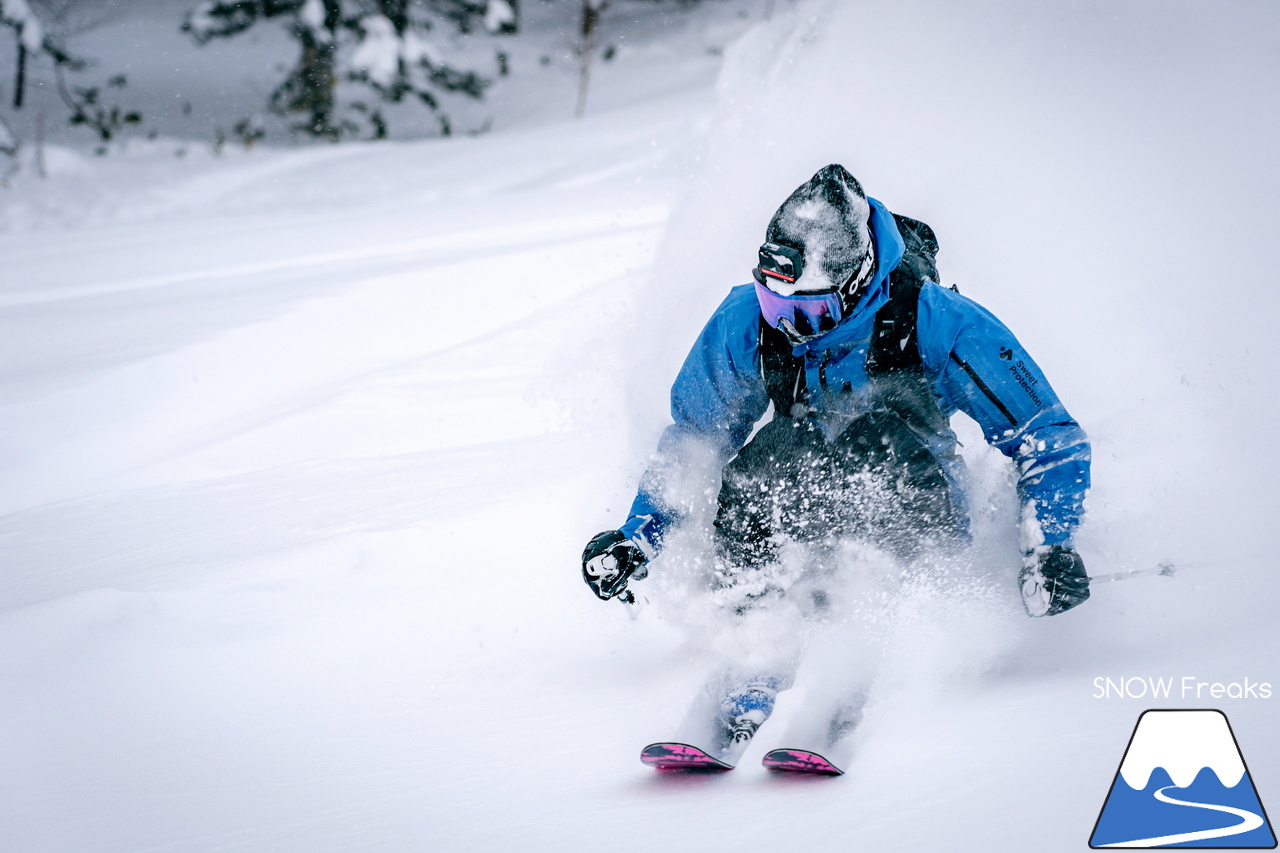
pixel 1186 687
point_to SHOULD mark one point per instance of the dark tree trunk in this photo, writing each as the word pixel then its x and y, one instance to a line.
pixel 309 88
pixel 20 85
pixel 591 11
pixel 315 73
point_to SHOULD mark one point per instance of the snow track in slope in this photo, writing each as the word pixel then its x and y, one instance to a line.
pixel 432 250
pixel 164 405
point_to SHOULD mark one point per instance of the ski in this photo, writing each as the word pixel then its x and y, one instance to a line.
pixel 680 756
pixel 800 761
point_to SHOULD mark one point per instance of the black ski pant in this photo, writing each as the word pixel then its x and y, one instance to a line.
pixel 877 482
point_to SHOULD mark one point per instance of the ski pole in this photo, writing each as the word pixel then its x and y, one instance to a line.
pixel 1164 570
pixel 634 607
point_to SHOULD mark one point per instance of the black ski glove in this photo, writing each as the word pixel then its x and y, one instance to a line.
pixel 609 561
pixel 1053 580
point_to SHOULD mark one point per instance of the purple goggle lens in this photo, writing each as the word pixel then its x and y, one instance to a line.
pixel 809 314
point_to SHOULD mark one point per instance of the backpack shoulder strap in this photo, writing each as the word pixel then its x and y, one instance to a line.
pixel 894 346
pixel 893 357
pixel 893 343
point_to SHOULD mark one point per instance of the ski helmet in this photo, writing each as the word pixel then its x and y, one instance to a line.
pixel 817 255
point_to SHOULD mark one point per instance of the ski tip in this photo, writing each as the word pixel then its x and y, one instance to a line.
pixel 800 761
pixel 680 756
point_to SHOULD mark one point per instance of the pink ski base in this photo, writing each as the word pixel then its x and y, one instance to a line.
pixel 680 756
pixel 800 761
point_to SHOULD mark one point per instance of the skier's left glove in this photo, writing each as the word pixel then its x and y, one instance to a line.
pixel 1053 580
pixel 609 561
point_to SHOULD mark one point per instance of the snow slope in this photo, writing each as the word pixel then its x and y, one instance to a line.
pixel 300 449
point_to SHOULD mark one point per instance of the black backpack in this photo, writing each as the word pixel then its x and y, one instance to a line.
pixel 893 360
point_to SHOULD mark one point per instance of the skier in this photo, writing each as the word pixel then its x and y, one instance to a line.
pixel 864 357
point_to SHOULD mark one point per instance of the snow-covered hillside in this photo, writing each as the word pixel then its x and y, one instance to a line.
pixel 300 447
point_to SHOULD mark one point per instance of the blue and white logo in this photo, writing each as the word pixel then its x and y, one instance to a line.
pixel 1183 783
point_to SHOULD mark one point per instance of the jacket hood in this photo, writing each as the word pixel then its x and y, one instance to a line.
pixel 890 249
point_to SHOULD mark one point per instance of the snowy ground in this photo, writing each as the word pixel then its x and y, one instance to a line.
pixel 300 448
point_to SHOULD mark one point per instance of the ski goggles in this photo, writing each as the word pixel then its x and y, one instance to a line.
pixel 801 314
pixel 808 314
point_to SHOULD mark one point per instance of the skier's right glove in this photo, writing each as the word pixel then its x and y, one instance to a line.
pixel 1053 580
pixel 609 561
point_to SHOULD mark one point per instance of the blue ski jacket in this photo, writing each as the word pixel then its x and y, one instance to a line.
pixel 972 364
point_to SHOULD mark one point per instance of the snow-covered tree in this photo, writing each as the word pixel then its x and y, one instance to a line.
pixel 384 46
pixel 34 39
pixel 502 16
pixel 396 58
pixel 17 15
pixel 42 28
